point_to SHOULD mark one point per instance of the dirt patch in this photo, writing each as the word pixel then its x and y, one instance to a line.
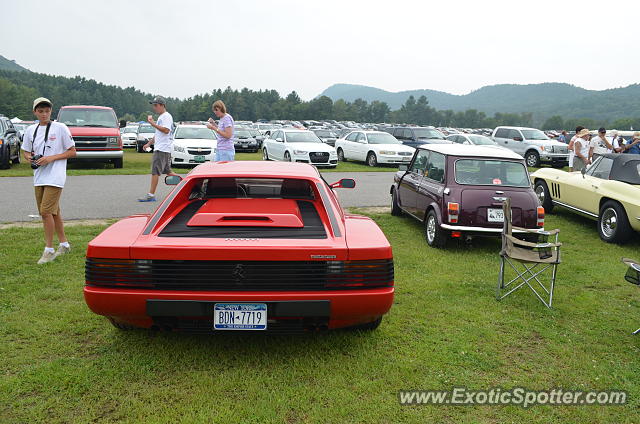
pixel 371 210
pixel 70 223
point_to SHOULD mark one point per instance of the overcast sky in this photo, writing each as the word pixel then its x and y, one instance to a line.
pixel 182 48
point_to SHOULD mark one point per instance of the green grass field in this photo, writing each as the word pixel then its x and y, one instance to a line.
pixel 140 163
pixel 61 363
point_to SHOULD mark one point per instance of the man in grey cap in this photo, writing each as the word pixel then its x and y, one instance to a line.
pixel 163 144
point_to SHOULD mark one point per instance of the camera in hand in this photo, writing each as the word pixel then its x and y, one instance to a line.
pixel 34 159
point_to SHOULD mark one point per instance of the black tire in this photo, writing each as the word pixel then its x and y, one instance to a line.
pixel 265 154
pixel 544 196
pixel 435 236
pixel 117 163
pixel 5 163
pixel 395 207
pixel 139 148
pixel 613 223
pixel 368 326
pixel 532 158
pixel 340 154
pixel 121 326
pixel 287 157
pixel 372 160
pixel 16 161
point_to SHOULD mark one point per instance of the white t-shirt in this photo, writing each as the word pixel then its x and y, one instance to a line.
pixel 584 146
pixel 164 142
pixel 59 141
pixel 599 145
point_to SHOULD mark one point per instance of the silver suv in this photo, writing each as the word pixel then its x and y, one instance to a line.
pixel 533 145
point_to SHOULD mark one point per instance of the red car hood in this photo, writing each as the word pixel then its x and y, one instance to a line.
pixel 94 132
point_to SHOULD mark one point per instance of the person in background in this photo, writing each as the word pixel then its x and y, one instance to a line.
pixel 615 142
pixel 600 144
pixel 571 150
pixel 163 145
pixel 633 146
pixel 582 148
pixel 48 145
pixel 225 150
pixel 563 137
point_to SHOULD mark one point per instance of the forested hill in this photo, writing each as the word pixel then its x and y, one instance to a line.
pixel 10 65
pixel 543 100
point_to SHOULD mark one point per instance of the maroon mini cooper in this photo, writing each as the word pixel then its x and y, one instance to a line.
pixel 457 191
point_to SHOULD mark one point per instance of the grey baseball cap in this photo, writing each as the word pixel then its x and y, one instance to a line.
pixel 158 100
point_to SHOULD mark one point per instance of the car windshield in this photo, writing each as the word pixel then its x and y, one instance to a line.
pixel 324 133
pixel 427 133
pixel 198 133
pixel 302 137
pixel 146 129
pixel 20 127
pixel 491 172
pixel 130 129
pixel 254 133
pixel 534 135
pixel 382 138
pixel 481 140
pixel 89 117
pixel 242 133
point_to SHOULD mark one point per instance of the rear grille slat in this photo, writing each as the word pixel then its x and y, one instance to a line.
pixel 241 275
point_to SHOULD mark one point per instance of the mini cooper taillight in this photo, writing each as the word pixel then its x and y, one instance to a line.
pixel 540 216
pixel 453 211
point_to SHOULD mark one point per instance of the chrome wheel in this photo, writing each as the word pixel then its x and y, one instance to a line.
pixel 340 155
pixel 609 222
pixel 287 157
pixel 540 193
pixel 265 155
pixel 431 229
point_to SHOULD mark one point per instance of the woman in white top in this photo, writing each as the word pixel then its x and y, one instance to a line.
pixel 582 147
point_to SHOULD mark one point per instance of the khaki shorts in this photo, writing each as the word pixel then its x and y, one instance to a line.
pixel 160 163
pixel 48 199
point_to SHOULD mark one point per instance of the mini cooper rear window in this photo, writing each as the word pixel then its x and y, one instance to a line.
pixel 491 172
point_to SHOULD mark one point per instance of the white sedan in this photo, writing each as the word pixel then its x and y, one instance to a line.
pixel 193 144
pixel 373 147
pixel 294 145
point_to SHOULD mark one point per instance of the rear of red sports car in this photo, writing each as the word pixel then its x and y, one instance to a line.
pixel 243 246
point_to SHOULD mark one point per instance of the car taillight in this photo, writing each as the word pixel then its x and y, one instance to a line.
pixel 454 210
pixel 540 216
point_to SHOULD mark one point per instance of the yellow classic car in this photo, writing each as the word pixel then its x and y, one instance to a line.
pixel 609 191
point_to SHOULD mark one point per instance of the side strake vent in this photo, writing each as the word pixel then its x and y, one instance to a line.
pixel 239 275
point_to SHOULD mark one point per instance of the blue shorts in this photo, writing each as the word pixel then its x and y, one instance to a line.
pixel 225 155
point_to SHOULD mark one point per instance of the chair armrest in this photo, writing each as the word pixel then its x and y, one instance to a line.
pixel 529 244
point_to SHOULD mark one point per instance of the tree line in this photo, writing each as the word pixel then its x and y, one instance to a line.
pixel 18 89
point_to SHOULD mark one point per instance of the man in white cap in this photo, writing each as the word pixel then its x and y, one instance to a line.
pixel 48 145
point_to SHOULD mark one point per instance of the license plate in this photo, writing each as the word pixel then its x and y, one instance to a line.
pixel 199 158
pixel 495 215
pixel 406 158
pixel 240 316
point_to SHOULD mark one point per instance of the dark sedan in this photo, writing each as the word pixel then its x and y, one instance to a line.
pixel 244 142
pixel 457 191
pixel 327 136
pixel 9 144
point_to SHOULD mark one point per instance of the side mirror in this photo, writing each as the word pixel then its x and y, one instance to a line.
pixel 344 183
pixel 633 273
pixel 517 138
pixel 583 171
pixel 403 167
pixel 172 179
pixel 279 140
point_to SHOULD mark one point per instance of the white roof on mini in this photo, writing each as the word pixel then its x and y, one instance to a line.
pixel 467 150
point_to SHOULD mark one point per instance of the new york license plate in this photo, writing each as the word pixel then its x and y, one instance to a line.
pixel 240 316
pixel 199 158
pixel 495 215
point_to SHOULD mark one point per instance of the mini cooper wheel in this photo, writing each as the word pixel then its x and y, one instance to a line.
pixel 287 157
pixel 395 207
pixel 265 155
pixel 372 160
pixel 543 195
pixel 433 233
pixel 532 158
pixel 340 155
pixel 613 224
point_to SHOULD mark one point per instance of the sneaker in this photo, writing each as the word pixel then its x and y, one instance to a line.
pixel 47 257
pixel 62 250
pixel 147 198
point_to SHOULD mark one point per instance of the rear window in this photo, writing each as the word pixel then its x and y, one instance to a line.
pixel 491 172
pixel 89 117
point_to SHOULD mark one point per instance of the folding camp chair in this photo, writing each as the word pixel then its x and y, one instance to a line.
pixel 632 276
pixel 528 259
